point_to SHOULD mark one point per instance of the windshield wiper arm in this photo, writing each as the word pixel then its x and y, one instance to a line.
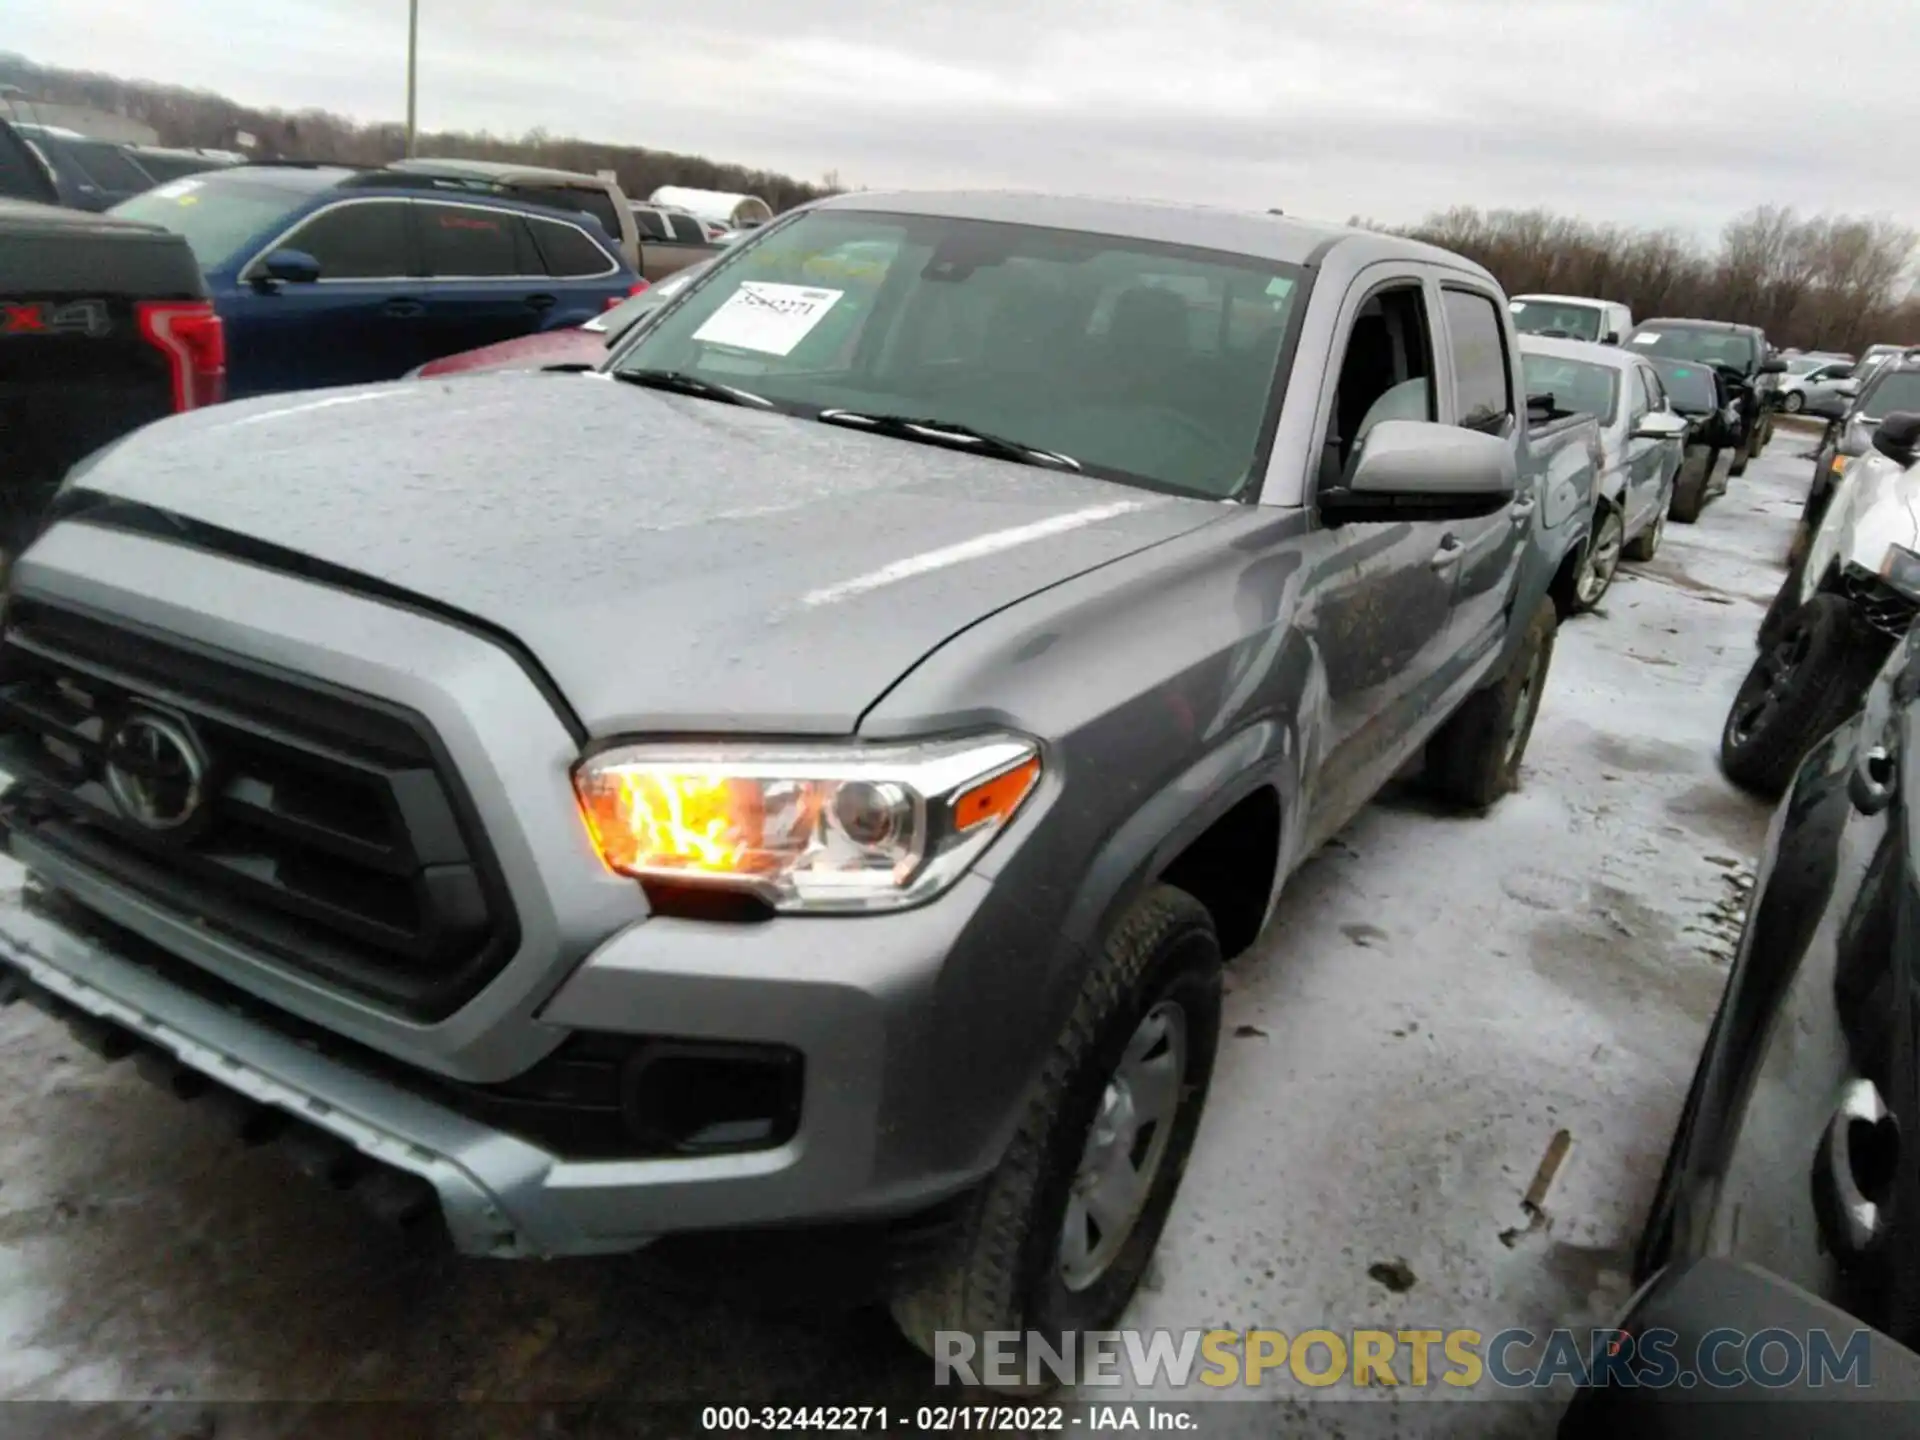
pixel 948 432
pixel 682 383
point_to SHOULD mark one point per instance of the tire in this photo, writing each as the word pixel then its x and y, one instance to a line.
pixel 1690 491
pixel 1741 457
pixel 1007 1265
pixel 1599 562
pixel 1810 677
pixel 1475 757
pixel 1766 436
pixel 1646 544
pixel 1794 403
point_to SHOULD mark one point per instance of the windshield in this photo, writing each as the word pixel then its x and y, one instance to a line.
pixel 217 215
pixel 1544 317
pixel 1145 363
pixel 1708 347
pixel 1577 386
pixel 1897 390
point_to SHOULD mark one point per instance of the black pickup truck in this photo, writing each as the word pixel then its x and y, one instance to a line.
pixel 104 325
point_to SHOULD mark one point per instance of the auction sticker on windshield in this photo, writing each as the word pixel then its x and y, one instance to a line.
pixel 768 317
pixel 1647 337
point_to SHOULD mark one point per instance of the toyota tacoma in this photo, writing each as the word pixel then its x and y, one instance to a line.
pixel 809 770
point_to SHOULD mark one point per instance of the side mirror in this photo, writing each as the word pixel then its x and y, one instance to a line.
pixel 1898 436
pixel 1541 409
pixel 1775 366
pixel 290 267
pixel 1419 469
pixel 1660 425
pixel 1612 337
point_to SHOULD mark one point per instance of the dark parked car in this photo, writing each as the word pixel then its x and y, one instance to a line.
pixel 1790 1203
pixel 324 280
pixel 90 174
pixel 104 326
pixel 1739 353
pixel 1701 395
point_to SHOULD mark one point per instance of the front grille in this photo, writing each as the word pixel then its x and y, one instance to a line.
pixel 332 834
pixel 1878 604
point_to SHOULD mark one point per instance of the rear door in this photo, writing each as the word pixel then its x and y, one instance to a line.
pixel 485 280
pixel 358 322
pixel 584 276
pixel 1482 399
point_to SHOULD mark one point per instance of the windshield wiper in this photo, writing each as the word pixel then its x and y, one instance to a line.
pixel 682 383
pixel 948 432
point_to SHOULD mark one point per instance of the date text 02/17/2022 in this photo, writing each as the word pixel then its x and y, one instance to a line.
pixel 947 1419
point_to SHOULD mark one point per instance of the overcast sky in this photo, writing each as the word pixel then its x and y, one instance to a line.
pixel 1656 112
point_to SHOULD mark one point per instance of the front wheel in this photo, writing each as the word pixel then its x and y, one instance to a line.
pixel 1794 403
pixel 1058 1237
pixel 1810 674
pixel 1475 757
pixel 1594 576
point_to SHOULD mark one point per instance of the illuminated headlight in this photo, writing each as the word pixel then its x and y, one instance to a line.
pixel 806 827
pixel 1901 570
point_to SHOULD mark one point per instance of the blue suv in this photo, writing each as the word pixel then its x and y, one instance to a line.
pixel 331 276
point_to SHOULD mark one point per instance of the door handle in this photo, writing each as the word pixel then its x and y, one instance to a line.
pixel 1870 787
pixel 1448 552
pixel 404 309
pixel 1521 509
pixel 542 302
pixel 1854 1172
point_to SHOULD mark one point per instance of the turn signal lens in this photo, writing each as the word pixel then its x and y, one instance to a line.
pixel 806 827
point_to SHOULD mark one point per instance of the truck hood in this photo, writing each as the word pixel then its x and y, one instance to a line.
pixel 674 564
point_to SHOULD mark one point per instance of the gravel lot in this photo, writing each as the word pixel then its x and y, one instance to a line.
pixel 1437 999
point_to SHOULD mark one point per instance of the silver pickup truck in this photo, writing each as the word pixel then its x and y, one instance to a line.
pixel 810 770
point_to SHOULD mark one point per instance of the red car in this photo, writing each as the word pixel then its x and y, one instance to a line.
pixel 577 345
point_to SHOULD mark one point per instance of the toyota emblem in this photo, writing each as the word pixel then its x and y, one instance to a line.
pixel 156 771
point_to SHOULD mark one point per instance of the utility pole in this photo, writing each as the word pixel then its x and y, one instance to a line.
pixel 413 73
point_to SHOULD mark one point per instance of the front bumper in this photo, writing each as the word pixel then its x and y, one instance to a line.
pixel 499 1195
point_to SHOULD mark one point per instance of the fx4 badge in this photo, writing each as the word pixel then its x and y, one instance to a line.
pixel 90 318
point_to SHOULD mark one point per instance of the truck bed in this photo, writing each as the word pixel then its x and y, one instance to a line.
pixel 75 371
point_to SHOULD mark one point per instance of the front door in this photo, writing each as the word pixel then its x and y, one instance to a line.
pixel 1377 597
pixel 358 322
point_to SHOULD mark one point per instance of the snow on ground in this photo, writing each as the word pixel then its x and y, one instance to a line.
pixel 1437 998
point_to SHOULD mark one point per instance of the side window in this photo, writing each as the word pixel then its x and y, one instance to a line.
pixel 366 240
pixel 1482 377
pixel 466 242
pixel 1386 373
pixel 1656 389
pixel 566 250
pixel 653 225
pixel 687 230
